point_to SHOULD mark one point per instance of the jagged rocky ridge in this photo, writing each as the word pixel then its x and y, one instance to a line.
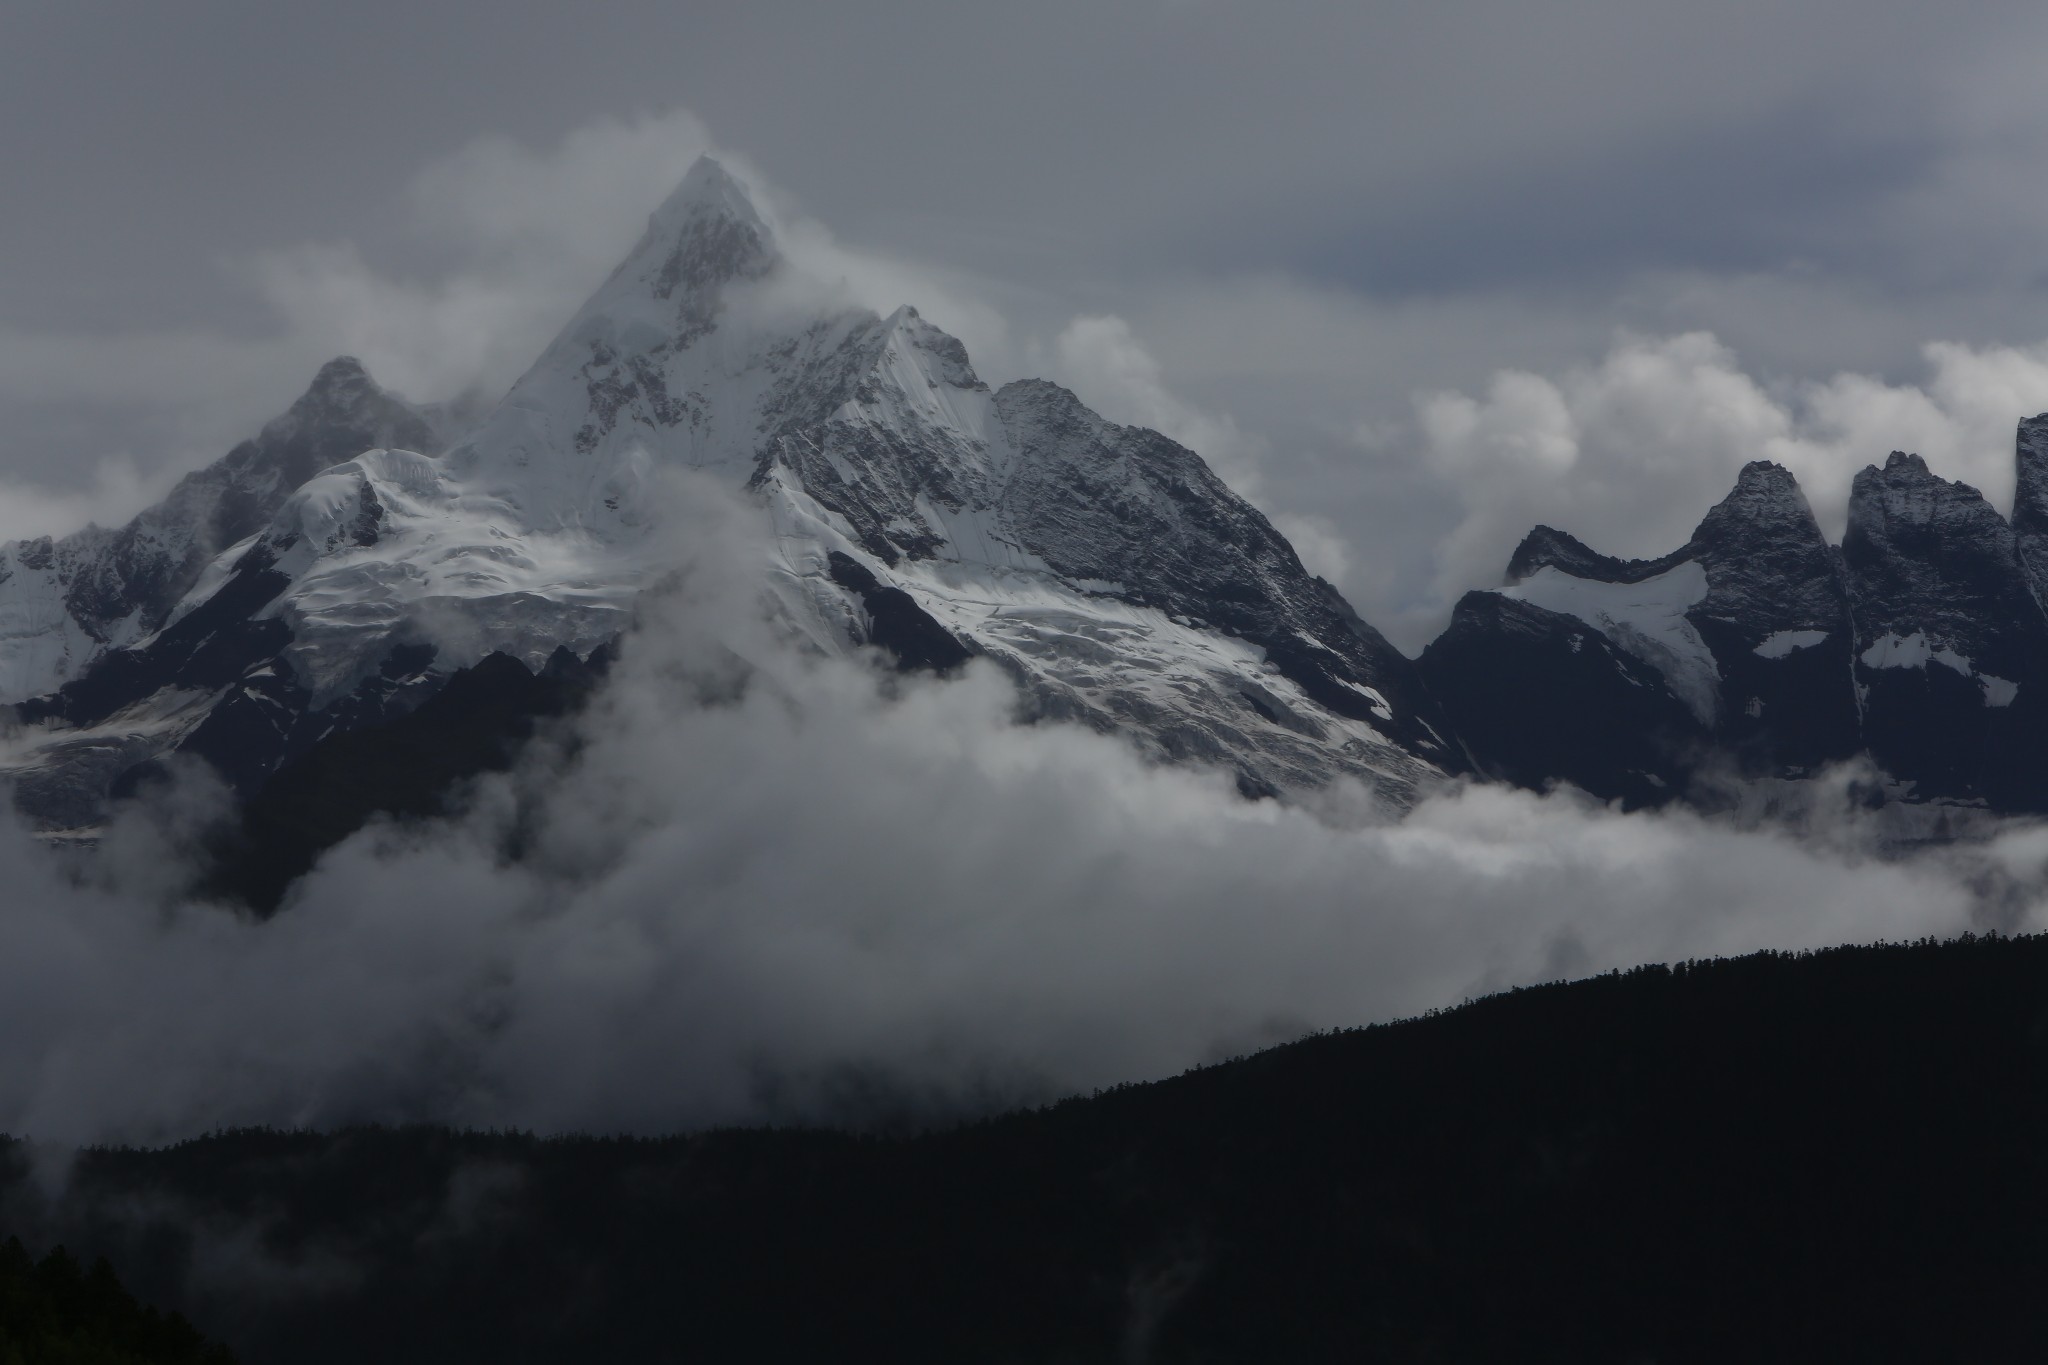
pixel 331 576
pixel 1759 651
pixel 66 602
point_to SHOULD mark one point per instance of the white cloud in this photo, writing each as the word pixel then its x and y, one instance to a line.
pixel 530 233
pixel 1629 453
pixel 160 404
pixel 575 206
pixel 1112 372
pixel 117 493
pixel 1324 551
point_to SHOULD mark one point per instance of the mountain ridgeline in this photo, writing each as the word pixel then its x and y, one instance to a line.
pixel 284 609
pixel 1758 650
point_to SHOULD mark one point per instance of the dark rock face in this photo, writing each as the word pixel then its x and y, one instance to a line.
pixel 1128 507
pixel 1773 584
pixel 1546 547
pixel 898 624
pixel 1126 511
pixel 1952 659
pixel 2030 503
pixel 1774 620
pixel 406 765
pixel 1925 554
pixel 1541 697
pixel 1921 642
pixel 208 648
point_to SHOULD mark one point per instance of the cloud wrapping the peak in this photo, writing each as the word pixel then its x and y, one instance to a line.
pixel 1110 370
pixel 500 243
pixel 528 235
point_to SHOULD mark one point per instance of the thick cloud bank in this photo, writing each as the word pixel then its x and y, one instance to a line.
pixel 1632 451
pixel 793 888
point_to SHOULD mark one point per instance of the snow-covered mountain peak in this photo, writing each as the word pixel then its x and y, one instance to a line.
pixel 348 405
pixel 706 236
pixel 65 603
pixel 948 358
pixel 1105 568
pixel 707 192
pixel 2030 501
pixel 666 296
pixel 2030 460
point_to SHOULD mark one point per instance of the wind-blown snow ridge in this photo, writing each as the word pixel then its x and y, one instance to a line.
pixel 1646 618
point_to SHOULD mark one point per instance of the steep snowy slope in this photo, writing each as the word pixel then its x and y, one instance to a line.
pixel 1952 647
pixel 65 602
pixel 1104 567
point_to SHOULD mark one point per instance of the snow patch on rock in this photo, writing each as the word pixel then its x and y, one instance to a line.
pixel 1892 650
pixel 1783 642
pixel 1647 619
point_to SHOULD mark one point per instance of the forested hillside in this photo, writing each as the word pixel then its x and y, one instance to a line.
pixel 1825 1156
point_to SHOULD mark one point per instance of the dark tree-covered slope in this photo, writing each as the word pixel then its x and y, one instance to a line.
pixel 1825 1157
pixel 57 1312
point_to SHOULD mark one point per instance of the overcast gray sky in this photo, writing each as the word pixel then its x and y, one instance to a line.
pixel 1414 275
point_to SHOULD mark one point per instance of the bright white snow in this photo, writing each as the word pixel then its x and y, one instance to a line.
pixel 1782 643
pixel 1892 650
pixel 1646 619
